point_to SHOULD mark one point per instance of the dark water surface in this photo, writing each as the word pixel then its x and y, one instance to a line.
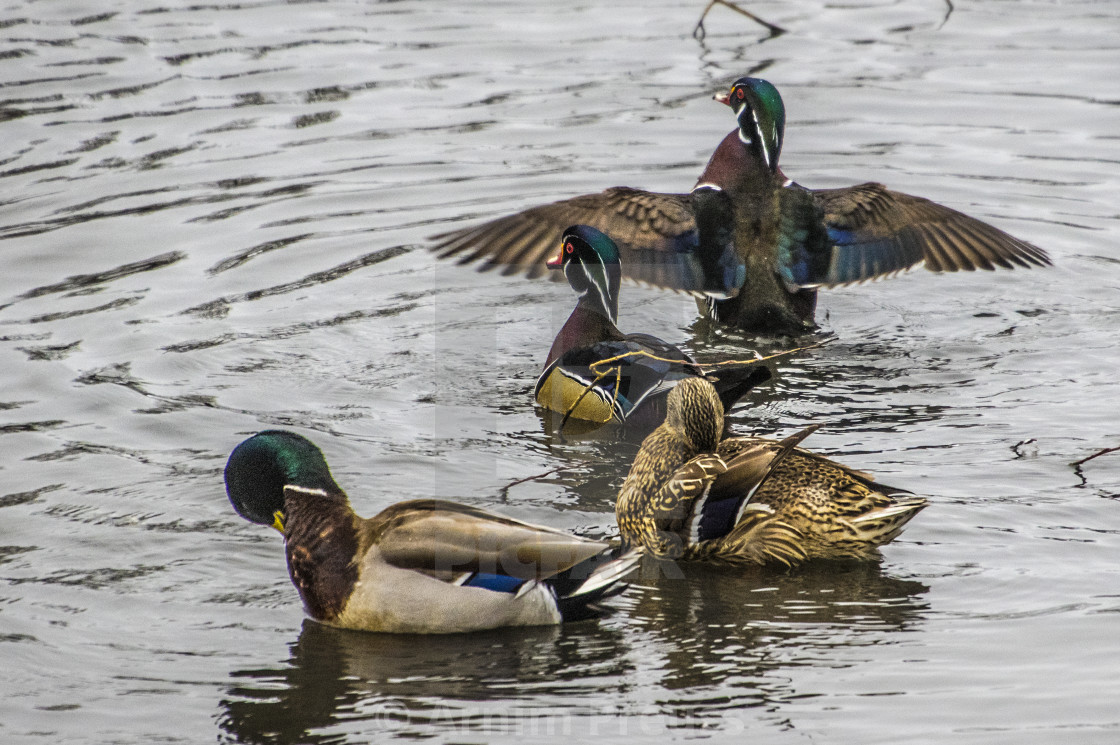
pixel 213 221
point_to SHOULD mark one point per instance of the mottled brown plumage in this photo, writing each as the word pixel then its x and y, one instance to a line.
pixel 321 537
pixel 691 496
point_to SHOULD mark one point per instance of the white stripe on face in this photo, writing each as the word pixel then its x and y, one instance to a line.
pixel 761 139
pixel 306 490
pixel 602 289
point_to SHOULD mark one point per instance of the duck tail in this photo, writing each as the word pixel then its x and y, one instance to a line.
pixel 733 382
pixel 578 589
pixel 884 524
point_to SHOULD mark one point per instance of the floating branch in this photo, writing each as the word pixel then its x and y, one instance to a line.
pixel 699 33
pixel 1095 455
pixel 505 489
pixel 617 370
pixel 784 353
pixel 757 358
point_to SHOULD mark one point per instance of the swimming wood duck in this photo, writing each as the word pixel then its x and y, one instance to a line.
pixel 755 244
pixel 599 374
pixel 747 500
pixel 422 566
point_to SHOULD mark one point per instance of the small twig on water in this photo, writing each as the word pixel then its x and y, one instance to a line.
pixel 948 12
pixel 699 32
pixel 783 353
pixel 643 353
pixel 1095 455
pixel 505 489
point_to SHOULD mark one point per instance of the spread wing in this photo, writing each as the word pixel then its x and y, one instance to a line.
pixel 655 234
pixel 873 232
pixel 444 537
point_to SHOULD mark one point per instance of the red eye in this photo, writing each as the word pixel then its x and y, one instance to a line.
pixel 569 248
pixel 739 94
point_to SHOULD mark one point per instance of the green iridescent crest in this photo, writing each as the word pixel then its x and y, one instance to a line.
pixel 260 467
pixel 762 117
pixel 591 262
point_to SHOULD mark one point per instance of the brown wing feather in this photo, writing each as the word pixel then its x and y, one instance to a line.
pixel 674 501
pixel 948 240
pixel 753 461
pixel 649 229
pixel 764 539
pixel 434 535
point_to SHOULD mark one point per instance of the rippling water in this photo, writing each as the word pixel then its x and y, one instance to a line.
pixel 213 220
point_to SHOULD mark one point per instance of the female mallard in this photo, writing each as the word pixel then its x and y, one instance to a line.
pixel 690 495
pixel 422 566
pixel 596 373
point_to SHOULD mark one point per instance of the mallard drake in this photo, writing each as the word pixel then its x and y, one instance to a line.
pixel 694 496
pixel 423 566
pixel 768 243
pixel 596 373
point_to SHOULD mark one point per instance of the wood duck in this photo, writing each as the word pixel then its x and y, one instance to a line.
pixel 753 243
pixel 596 373
pixel 424 566
pixel 693 495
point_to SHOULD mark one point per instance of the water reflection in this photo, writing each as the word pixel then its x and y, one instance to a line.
pixel 207 215
pixel 77 283
pixel 401 682
pixel 838 383
pixel 711 639
pixel 718 628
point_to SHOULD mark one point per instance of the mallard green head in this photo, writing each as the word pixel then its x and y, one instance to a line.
pixel 762 117
pixel 260 467
pixel 592 267
pixel 695 409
